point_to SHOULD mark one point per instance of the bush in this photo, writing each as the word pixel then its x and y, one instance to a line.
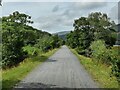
pixel 108 56
pixel 100 52
pixel 80 50
pixel 115 61
pixel 31 51
pixel 12 44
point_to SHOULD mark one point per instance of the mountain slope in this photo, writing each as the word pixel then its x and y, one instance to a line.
pixel 62 34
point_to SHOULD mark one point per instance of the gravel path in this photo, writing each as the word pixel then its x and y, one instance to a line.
pixel 61 70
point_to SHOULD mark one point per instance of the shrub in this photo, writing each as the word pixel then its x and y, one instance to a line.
pixel 100 52
pixel 12 44
pixel 31 51
pixel 115 61
pixel 80 50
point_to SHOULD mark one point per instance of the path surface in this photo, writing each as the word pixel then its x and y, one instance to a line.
pixel 62 70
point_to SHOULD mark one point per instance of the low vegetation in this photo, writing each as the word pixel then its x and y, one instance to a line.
pixel 12 76
pixel 101 73
pixel 94 37
pixel 23 47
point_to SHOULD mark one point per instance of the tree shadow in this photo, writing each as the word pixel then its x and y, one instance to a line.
pixel 39 59
pixel 33 85
pixel 43 59
pixel 51 60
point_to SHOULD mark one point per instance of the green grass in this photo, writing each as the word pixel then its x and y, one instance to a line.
pixel 12 76
pixel 101 73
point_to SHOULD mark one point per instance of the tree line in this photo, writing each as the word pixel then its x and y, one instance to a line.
pixel 18 38
pixel 94 36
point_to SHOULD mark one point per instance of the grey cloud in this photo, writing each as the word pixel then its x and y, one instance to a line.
pixel 90 5
pixel 75 9
pixel 66 16
pixel 56 8
pixel 115 13
pixel 54 21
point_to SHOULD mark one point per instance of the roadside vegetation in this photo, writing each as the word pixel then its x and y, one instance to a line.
pixel 94 37
pixel 100 72
pixel 23 47
pixel 19 40
pixel 12 76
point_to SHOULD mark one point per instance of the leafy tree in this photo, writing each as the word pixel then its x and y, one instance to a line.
pixel 102 26
pixel 94 27
pixel 13 38
pixel 19 39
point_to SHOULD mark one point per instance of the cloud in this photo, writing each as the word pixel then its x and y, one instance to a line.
pixel 65 14
pixel 115 13
pixel 56 8
pixel 60 0
pixel 90 5
pixel 85 6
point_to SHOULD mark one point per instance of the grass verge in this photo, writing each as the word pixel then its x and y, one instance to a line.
pixel 12 76
pixel 101 73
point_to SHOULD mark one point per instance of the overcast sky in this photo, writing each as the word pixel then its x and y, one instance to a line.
pixel 59 16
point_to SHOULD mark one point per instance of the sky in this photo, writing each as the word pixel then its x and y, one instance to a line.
pixel 59 15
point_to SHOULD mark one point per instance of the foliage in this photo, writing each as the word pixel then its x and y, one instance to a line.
pixel 100 52
pixel 31 51
pixel 14 38
pixel 12 76
pixel 115 61
pixel 100 72
pixel 94 27
pixel 108 56
pixel 12 44
pixel 94 36
pixel 18 34
pixel 48 43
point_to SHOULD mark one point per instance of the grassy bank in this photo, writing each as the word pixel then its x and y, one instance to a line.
pixel 100 72
pixel 12 76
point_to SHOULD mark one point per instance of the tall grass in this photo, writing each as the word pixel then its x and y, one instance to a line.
pixel 12 76
pixel 100 72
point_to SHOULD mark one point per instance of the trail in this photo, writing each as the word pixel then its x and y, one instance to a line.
pixel 61 70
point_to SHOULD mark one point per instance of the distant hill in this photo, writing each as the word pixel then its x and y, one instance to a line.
pixel 62 34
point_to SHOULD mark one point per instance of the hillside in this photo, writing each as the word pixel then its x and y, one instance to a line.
pixel 62 34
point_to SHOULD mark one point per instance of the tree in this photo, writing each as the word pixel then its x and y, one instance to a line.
pixel 87 29
pixel 13 38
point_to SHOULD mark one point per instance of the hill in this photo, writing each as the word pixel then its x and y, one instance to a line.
pixel 62 34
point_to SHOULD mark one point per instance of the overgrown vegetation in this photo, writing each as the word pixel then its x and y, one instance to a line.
pixel 94 36
pixel 100 72
pixel 12 76
pixel 100 52
pixel 21 40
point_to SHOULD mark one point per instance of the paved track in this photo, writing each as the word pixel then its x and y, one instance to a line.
pixel 61 70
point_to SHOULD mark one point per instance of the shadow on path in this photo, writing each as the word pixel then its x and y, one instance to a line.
pixel 34 86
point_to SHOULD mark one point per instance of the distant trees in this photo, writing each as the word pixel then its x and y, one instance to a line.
pixel 48 43
pixel 16 34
